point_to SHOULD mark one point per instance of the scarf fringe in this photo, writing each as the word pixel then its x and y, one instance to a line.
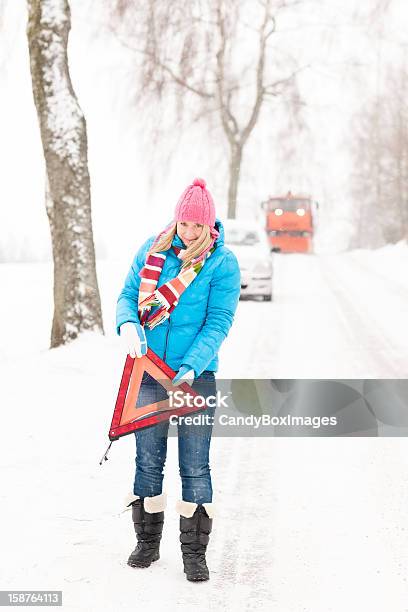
pixel 158 317
pixel 151 300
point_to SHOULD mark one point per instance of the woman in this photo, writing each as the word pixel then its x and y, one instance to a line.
pixel 186 286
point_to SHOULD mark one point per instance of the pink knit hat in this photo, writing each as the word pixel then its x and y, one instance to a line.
pixel 196 204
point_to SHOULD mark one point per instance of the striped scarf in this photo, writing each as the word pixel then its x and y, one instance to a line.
pixel 166 296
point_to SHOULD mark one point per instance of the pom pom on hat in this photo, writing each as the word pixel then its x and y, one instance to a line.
pixel 198 182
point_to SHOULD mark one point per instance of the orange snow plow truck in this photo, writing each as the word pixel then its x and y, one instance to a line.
pixel 290 222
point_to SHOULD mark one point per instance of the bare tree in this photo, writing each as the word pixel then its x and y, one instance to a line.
pixel 366 180
pixel 63 132
pixel 380 177
pixel 195 48
pixel 394 144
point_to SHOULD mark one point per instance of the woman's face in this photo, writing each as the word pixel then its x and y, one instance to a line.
pixel 189 231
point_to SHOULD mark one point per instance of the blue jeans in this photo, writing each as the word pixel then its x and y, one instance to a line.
pixel 193 446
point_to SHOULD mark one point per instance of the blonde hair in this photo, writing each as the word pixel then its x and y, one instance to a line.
pixel 194 250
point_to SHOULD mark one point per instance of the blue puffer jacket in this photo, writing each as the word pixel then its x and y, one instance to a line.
pixel 202 319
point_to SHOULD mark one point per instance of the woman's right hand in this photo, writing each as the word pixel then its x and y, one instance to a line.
pixel 133 339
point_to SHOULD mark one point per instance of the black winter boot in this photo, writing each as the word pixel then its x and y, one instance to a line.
pixel 148 528
pixel 194 537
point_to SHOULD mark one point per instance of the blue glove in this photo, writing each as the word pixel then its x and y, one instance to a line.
pixel 185 374
pixel 134 339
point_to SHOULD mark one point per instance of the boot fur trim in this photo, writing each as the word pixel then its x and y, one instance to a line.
pixel 151 504
pixel 129 499
pixel 156 503
pixel 210 509
pixel 187 509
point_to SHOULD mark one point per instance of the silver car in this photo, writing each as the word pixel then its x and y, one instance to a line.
pixel 249 242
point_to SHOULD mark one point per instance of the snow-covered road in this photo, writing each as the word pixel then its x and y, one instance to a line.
pixel 303 525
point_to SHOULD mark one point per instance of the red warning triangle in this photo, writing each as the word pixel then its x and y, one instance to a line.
pixel 126 417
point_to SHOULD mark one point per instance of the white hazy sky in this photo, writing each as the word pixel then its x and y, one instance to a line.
pixel 131 197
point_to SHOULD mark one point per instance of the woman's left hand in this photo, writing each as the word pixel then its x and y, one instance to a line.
pixel 185 374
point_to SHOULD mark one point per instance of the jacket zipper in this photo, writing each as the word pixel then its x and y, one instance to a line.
pixel 165 346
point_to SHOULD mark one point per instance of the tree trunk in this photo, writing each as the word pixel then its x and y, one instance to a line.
pixel 234 172
pixel 77 304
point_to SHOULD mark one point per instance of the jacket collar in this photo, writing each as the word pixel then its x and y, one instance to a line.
pixel 177 241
